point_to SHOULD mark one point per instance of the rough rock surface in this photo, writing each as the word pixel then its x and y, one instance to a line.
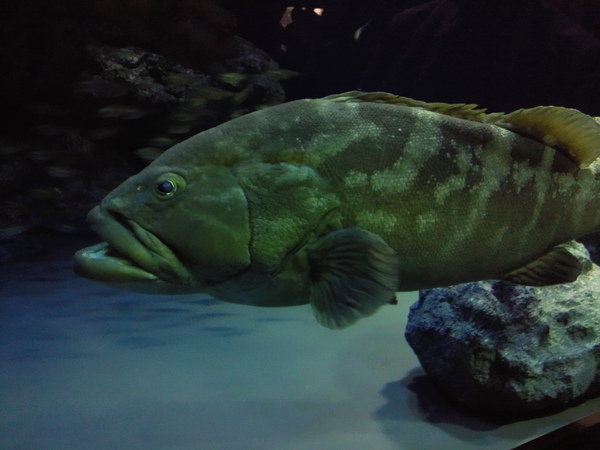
pixel 502 349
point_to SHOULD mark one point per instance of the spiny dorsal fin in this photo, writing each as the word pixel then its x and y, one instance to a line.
pixel 555 267
pixel 569 131
pixel 459 110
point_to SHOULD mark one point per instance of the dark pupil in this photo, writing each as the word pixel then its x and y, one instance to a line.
pixel 165 187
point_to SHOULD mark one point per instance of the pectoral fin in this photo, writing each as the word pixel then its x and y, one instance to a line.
pixel 353 273
pixel 555 267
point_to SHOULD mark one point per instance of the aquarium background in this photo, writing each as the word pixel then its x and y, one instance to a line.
pixel 93 90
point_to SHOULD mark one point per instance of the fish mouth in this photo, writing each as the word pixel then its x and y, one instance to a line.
pixel 131 256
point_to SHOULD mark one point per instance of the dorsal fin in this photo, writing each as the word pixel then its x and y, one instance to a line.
pixel 459 110
pixel 569 131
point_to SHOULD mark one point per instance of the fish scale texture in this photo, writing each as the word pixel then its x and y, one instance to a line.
pixel 502 349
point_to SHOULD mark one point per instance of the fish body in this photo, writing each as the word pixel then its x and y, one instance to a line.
pixel 341 201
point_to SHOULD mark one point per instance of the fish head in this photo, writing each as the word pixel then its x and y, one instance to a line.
pixel 169 230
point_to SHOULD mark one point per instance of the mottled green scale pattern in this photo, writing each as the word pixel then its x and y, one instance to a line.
pixel 342 201
pixel 451 198
pixel 459 200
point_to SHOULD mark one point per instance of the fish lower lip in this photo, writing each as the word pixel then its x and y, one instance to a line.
pixel 131 247
pixel 102 263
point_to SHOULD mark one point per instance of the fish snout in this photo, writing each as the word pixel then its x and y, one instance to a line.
pixel 130 241
pixel 94 218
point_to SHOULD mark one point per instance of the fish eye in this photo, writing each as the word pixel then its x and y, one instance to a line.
pixel 168 184
pixel 165 187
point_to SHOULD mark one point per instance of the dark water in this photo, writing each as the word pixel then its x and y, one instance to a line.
pixel 88 367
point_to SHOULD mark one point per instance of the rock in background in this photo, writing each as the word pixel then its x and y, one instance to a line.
pixel 500 54
pixel 503 54
pixel 89 100
pixel 506 350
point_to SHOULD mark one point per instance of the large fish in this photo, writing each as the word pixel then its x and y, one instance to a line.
pixel 342 201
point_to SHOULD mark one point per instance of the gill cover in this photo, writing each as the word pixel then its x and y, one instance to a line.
pixel 206 223
pixel 201 215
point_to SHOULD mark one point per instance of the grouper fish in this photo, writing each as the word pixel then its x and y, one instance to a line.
pixel 342 201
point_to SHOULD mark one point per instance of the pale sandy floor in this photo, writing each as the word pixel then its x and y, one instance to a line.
pixel 83 366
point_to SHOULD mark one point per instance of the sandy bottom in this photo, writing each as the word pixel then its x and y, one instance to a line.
pixel 84 366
